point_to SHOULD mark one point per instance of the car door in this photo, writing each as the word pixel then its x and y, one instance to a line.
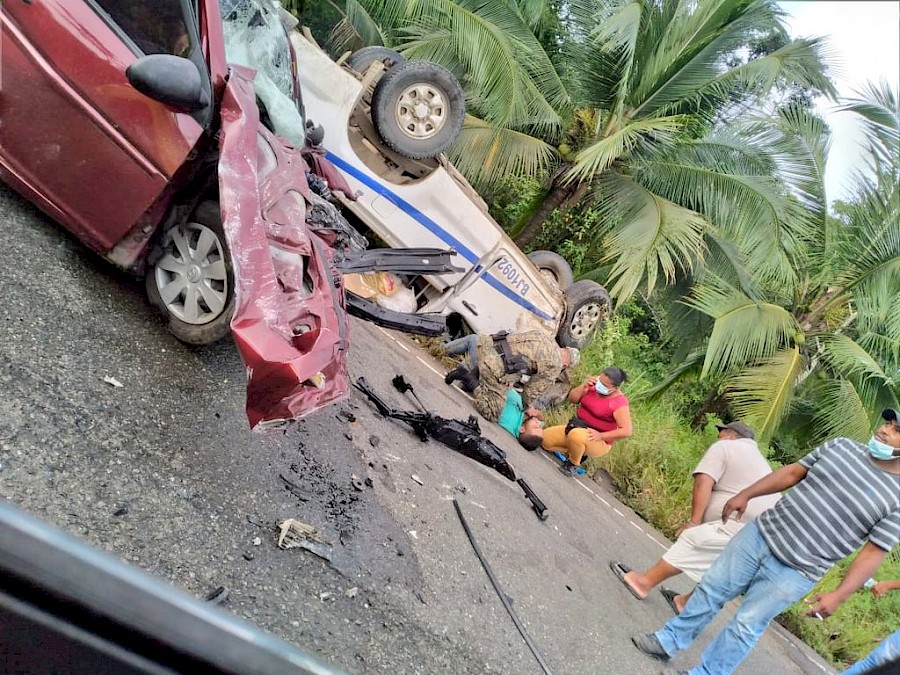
pixel 75 136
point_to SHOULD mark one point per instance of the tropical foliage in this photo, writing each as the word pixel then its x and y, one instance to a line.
pixel 811 336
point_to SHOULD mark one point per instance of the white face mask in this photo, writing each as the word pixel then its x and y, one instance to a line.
pixel 879 450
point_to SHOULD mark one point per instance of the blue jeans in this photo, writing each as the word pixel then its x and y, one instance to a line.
pixel 467 344
pixel 746 566
pixel 887 652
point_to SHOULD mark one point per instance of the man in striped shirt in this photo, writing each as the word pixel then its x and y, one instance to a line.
pixel 845 495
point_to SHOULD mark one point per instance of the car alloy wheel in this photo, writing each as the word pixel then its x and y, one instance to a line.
pixel 191 275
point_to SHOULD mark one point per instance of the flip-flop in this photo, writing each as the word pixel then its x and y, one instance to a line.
pixel 669 595
pixel 620 571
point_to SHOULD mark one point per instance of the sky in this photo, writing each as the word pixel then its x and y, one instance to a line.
pixel 864 38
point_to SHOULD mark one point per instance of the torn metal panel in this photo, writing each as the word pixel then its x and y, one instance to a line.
pixel 421 324
pixel 398 260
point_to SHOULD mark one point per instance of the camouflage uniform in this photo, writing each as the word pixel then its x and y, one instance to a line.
pixel 540 352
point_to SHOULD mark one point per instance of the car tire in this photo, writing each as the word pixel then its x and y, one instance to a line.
pixel 196 295
pixel 418 109
pixel 361 59
pixel 587 307
pixel 554 265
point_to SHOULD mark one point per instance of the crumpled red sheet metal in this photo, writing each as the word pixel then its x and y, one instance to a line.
pixel 325 169
pixel 290 323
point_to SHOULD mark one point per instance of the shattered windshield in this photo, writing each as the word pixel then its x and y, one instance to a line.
pixel 256 38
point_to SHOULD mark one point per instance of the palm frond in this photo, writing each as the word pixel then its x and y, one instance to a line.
pixel 600 155
pixel 744 331
pixel 651 237
pixel 849 360
pixel 482 152
pixel 761 395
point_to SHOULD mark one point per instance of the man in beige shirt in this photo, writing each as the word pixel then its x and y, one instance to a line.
pixel 730 464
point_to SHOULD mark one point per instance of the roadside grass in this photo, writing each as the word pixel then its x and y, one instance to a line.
pixel 651 473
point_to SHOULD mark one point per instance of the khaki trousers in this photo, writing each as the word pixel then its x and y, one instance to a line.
pixel 575 445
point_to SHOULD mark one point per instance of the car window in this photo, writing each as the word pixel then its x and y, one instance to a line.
pixel 155 27
pixel 256 38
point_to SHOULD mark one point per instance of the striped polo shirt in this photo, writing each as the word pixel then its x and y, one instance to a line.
pixel 844 501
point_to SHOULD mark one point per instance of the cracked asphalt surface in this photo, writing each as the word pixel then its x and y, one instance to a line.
pixel 163 473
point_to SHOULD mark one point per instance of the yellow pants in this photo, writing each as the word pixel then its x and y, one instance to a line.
pixel 575 445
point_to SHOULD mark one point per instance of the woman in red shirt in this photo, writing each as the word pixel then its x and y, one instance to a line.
pixel 603 417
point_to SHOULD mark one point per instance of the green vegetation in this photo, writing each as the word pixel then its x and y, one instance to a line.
pixel 669 151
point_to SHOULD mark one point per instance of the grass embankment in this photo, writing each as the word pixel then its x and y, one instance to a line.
pixel 651 473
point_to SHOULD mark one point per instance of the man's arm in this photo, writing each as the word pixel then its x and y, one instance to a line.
pixel 863 567
pixel 777 481
pixel 883 587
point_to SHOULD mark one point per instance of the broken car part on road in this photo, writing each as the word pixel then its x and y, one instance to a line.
pixel 464 437
pixel 504 598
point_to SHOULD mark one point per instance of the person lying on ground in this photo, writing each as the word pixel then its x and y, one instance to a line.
pixel 886 655
pixel 844 495
pixel 531 359
pixel 527 426
pixel 603 417
pixel 731 464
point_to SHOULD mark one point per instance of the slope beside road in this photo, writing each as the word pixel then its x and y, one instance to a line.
pixel 163 473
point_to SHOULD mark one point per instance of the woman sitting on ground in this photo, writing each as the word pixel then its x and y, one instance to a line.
pixel 603 417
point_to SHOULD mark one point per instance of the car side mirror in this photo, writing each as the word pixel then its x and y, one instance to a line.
pixel 169 79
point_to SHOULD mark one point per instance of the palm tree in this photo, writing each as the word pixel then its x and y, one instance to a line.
pixel 601 106
pixel 817 343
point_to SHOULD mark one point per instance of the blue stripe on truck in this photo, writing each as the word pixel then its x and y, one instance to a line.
pixel 435 229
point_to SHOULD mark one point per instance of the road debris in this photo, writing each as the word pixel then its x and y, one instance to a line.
pixel 218 596
pixel 464 437
pixel 417 479
pixel 357 483
pixel 297 534
pixel 352 592
pixel 257 541
pixel 113 381
pixel 504 598
pixel 374 441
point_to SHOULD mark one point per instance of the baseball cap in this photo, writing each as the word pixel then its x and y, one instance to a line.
pixel 739 428
pixel 574 356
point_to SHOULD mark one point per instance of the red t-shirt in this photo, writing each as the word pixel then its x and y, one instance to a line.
pixel 598 410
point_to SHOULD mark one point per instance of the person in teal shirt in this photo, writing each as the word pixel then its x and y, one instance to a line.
pixel 525 425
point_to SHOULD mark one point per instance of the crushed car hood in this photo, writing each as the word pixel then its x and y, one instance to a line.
pixel 290 323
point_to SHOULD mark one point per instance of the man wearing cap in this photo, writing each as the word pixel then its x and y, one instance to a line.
pixel 845 495
pixel 731 464
pixel 488 379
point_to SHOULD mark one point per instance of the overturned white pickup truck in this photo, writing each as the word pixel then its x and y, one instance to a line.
pixel 386 122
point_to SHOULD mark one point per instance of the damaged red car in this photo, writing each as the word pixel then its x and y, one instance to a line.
pixel 130 122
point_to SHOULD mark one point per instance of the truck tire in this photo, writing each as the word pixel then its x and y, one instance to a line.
pixel 361 59
pixel 418 109
pixel 555 265
pixel 587 306
pixel 194 293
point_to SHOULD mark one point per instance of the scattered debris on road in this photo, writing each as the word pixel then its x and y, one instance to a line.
pixel 297 534
pixel 464 437
pixel 218 596
pixel 113 381
pixel 417 479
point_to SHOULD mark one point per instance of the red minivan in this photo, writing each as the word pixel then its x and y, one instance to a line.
pixel 129 122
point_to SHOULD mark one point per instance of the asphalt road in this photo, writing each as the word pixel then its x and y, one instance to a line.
pixel 164 473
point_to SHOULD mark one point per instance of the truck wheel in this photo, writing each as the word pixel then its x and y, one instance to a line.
pixel 418 109
pixel 190 278
pixel 361 59
pixel 587 306
pixel 553 265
